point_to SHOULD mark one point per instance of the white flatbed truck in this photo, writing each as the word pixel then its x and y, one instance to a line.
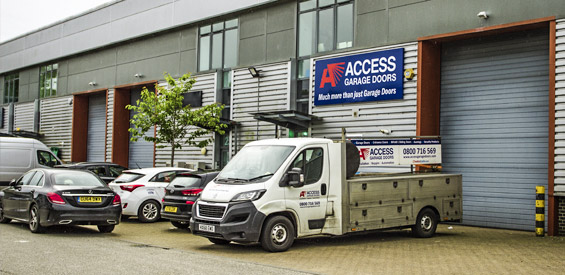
pixel 276 190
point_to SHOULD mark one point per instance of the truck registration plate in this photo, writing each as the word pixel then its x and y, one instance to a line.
pixel 207 228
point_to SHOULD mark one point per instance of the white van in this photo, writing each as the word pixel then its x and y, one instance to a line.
pixel 18 155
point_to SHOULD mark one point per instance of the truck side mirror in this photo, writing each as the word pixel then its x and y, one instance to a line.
pixel 295 177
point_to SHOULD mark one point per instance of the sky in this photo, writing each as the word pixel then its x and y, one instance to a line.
pixel 18 17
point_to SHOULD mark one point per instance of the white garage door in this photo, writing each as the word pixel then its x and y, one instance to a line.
pixel 96 128
pixel 494 125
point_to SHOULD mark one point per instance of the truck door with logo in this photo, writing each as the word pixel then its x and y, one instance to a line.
pixel 310 200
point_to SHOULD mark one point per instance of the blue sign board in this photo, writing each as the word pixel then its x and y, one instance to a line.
pixel 360 78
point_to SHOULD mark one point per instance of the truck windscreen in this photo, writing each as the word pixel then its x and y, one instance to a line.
pixel 254 164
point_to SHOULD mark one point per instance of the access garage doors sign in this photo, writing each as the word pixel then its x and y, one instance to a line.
pixel 398 152
pixel 360 78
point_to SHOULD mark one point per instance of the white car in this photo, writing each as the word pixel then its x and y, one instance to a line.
pixel 142 191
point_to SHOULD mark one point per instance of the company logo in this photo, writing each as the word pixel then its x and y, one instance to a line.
pixel 332 74
pixel 364 152
pixel 309 194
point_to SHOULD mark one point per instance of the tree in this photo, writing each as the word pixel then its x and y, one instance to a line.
pixel 176 125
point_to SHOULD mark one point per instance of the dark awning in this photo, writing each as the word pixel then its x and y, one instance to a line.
pixel 28 134
pixel 288 119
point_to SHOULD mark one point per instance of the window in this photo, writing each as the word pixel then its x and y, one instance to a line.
pixel 76 178
pixel 311 162
pixel 37 179
pixel 25 179
pixel 98 170
pixel 11 88
pixel 47 159
pixel 115 171
pixel 48 80
pixel 218 45
pixel 323 25
pixel 165 176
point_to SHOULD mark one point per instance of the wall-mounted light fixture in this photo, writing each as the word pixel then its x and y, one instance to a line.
pixel 385 131
pixel 254 72
pixel 138 75
pixel 482 14
pixel 92 83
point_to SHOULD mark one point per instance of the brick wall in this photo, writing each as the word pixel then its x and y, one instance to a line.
pixel 561 214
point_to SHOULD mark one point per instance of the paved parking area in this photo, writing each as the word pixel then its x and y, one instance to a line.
pixel 455 249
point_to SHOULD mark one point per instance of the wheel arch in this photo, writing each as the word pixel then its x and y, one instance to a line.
pixel 291 216
pixel 433 208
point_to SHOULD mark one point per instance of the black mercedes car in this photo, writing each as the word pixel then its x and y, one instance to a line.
pixel 181 194
pixel 46 197
pixel 107 171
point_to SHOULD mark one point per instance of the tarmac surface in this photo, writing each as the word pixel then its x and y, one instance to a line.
pixel 455 249
pixel 160 248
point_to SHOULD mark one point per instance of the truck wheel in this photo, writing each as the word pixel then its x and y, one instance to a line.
pixel 34 225
pixel 149 211
pixel 218 241
pixel 181 225
pixel 277 234
pixel 426 224
pixel 106 228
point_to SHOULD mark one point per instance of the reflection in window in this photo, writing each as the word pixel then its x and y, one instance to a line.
pixel 11 88
pixel 326 30
pixel 324 25
pixel 311 162
pixel 47 158
pixel 48 80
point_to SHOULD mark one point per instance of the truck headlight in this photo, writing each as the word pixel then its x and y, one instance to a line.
pixel 249 195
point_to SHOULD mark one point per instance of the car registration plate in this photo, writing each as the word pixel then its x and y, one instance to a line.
pixel 89 199
pixel 170 209
pixel 207 228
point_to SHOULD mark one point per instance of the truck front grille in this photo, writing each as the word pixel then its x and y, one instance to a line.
pixel 211 211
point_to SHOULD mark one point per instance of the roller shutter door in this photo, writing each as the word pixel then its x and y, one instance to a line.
pixel 494 125
pixel 140 152
pixel 96 128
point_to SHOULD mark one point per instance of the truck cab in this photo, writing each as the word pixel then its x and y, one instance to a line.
pixel 274 191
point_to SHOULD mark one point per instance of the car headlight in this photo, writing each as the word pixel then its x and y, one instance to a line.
pixel 249 195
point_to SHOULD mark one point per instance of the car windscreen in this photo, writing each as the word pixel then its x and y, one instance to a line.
pixel 127 177
pixel 185 182
pixel 76 178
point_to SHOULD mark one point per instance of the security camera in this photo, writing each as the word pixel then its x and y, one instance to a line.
pixel 482 14
pixel 385 131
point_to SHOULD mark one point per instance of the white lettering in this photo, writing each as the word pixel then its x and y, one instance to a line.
pixel 392 64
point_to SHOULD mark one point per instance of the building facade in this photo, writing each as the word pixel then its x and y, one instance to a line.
pixel 486 76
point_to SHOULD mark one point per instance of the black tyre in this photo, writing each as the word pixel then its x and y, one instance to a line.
pixel 277 234
pixel 106 228
pixel 149 211
pixel 219 241
pixel 181 225
pixel 426 224
pixel 2 218
pixel 34 225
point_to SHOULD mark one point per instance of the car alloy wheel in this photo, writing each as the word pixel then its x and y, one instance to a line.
pixel 149 211
pixel 34 225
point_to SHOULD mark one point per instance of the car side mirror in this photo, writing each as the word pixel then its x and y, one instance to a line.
pixel 295 177
pixel 13 182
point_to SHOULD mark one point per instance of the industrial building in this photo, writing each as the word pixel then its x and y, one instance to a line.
pixel 486 76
